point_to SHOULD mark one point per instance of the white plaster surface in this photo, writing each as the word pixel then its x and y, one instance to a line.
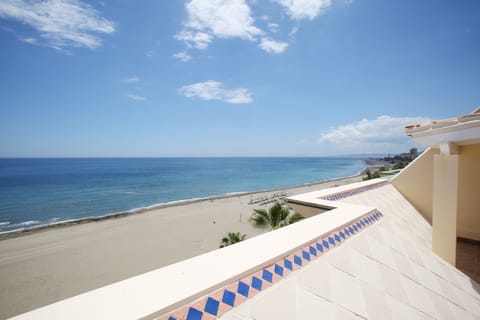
pixel 387 271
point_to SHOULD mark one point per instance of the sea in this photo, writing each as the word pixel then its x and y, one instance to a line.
pixel 40 192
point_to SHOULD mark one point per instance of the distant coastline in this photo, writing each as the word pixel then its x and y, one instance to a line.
pixel 116 215
pixel 39 193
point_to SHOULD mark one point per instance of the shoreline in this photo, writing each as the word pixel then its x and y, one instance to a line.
pixel 42 266
pixel 4 235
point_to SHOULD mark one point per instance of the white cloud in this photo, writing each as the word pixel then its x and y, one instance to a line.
pixel 208 19
pixel 381 135
pixel 272 46
pixel 29 40
pixel 273 27
pixel 150 53
pixel 60 23
pixel 293 32
pixel 199 40
pixel 182 56
pixel 134 79
pixel 135 97
pixel 214 90
pixel 304 9
pixel 264 18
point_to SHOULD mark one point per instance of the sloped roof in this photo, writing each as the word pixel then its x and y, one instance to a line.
pixel 387 271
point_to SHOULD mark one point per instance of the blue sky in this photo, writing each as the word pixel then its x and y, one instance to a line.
pixel 231 78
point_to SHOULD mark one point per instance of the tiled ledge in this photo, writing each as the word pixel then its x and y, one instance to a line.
pixel 217 303
pixel 323 198
pixel 206 286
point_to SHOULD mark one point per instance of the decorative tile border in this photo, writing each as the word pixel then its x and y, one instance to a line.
pixel 220 301
pixel 343 195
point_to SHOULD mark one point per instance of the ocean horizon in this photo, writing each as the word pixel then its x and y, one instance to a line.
pixel 37 192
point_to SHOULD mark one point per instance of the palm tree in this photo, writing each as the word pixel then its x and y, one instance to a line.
pixel 276 217
pixel 231 238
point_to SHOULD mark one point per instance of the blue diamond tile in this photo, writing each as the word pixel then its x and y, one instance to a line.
pixel 194 314
pixel 352 230
pixel 355 227
pixel 288 264
pixel 278 270
pixel 228 298
pixel 297 260
pixel 347 232
pixel 257 283
pixel 171 318
pixel 267 275
pixel 342 234
pixel 359 225
pixel 331 240
pixel 325 244
pixel 337 238
pixel 319 247
pixel 212 306
pixel 305 255
pixel 313 251
pixel 243 289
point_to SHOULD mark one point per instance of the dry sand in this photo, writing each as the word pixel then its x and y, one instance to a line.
pixel 49 265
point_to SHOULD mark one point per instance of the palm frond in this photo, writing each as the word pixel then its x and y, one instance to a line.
pixel 276 217
pixel 232 238
pixel 295 218
pixel 275 213
pixel 260 218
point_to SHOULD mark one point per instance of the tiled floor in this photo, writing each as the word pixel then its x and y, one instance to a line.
pixel 468 259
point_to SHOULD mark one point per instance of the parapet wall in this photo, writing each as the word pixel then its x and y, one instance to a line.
pixel 415 183
pixel 468 221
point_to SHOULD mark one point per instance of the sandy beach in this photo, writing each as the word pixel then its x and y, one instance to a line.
pixel 52 264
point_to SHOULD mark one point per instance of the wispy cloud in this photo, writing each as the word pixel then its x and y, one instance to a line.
pixel 381 135
pixel 182 56
pixel 208 19
pixel 29 40
pixel 133 79
pixel 304 9
pixel 195 39
pixel 272 46
pixel 150 53
pixel 214 90
pixel 273 27
pixel 135 97
pixel 59 23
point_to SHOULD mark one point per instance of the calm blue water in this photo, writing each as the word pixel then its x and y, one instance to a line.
pixel 41 191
